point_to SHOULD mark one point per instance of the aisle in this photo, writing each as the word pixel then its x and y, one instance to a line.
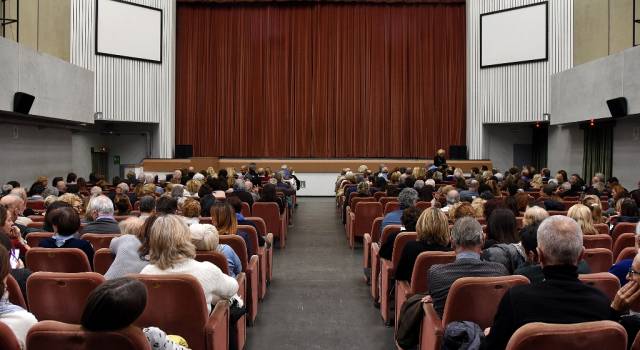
pixel 318 299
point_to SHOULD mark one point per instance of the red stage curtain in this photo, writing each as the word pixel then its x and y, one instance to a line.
pixel 320 79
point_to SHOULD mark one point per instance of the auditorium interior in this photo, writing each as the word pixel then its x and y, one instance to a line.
pixel 319 174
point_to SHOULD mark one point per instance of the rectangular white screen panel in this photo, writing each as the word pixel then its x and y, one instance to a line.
pixel 515 35
pixel 128 30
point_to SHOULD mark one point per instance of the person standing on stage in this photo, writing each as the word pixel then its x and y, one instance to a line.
pixel 439 159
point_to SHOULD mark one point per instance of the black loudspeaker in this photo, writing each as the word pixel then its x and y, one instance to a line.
pixel 22 102
pixel 617 107
pixel 458 152
pixel 184 151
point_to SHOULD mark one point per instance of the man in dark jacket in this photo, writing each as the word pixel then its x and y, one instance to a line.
pixel 561 297
pixel 101 210
pixel 240 191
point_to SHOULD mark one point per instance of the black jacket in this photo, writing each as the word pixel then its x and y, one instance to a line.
pixel 561 298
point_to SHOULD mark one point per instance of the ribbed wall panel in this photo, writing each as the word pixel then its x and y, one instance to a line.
pixel 515 93
pixel 128 90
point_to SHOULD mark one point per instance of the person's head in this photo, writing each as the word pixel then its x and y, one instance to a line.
pixel 460 210
pixel 440 153
pixel 65 221
pixel 100 206
pixel 617 191
pixel 238 185
pixel 363 188
pixel 132 226
pixel 582 215
pixel 549 189
pixel 14 205
pixel 269 193
pixel 114 305
pixel 166 205
pixel 61 185
pixel 561 176
pixel 177 191
pixel 191 208
pixel 6 219
pixel 204 236
pixel 453 197
pixel 122 204
pixel 5 268
pixel 629 208
pixel 409 218
pixel 169 241
pixel 559 241
pixel 407 198
pixel 502 226
pixel 529 239
pixel 36 189
pixel 147 204
pixel 236 204
pixel 224 218
pixel 534 216
pixel 433 227
pixel 467 235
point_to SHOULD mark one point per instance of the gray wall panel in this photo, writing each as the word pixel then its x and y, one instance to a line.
pixel 566 148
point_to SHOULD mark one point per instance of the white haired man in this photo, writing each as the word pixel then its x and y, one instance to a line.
pixel 561 297
pixel 101 210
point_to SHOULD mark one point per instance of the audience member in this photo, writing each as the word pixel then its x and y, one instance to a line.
pixel 467 239
pixel 147 206
pixel 409 220
pixel 269 195
pixel 533 216
pixel 205 238
pixel 628 211
pixel 166 205
pixel 582 215
pixel 223 216
pixel 101 211
pixel 501 245
pixel 66 224
pixel 407 198
pixel 125 248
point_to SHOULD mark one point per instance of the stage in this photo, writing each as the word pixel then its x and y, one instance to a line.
pixel 318 176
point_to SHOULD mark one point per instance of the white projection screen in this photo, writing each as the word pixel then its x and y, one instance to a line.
pixel 128 30
pixel 515 35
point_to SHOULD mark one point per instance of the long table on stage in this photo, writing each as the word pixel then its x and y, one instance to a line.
pixel 318 175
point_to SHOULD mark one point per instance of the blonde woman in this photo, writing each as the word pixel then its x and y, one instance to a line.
pixel 125 249
pixel 478 205
pixel 193 186
pixel 223 216
pixel 205 238
pixel 582 215
pixel 433 235
pixel 420 173
pixel 458 173
pixel 536 182
pixel 167 241
pixel 534 216
pixel 594 204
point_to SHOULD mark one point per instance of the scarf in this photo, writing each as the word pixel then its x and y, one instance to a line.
pixel 61 240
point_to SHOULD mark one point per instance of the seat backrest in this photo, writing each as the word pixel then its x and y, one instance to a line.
pixel 625 240
pixel 391 206
pixel 589 335
pixel 385 200
pixel 423 205
pixel 365 213
pixel 270 213
pixel 355 201
pixel 175 304
pixel 99 240
pixel 215 258
pixel 398 246
pixel 44 290
pixel 205 220
pixel 622 227
pixel 599 259
pixel 375 229
pixel 420 274
pixel 379 195
pixel 35 204
pixel 604 281
pixel 102 260
pixel 39 225
pixel 8 338
pixel 557 212
pixel 34 238
pixel 260 224
pixel 569 204
pixel 15 294
pixel 352 195
pixel 476 299
pixel 57 260
pixel 627 253
pixel 53 335
pixel 596 241
pixel 253 235
pixel 239 246
pixel 603 229
pixel 122 217
pixel 246 210
pixel 388 230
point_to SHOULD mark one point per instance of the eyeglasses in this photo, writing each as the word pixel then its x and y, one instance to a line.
pixel 633 272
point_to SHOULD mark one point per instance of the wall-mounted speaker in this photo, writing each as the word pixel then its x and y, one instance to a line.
pixel 184 151
pixel 458 152
pixel 617 107
pixel 22 102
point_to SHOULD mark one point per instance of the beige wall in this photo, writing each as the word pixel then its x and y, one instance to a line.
pixel 44 25
pixel 601 28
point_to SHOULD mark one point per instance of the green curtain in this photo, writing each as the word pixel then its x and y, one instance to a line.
pixel 598 151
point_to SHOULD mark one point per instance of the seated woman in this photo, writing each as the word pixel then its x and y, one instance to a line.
pixel 66 224
pixel 433 235
pixel 116 304
pixel 205 238
pixel 582 215
pixel 269 195
pixel 224 218
pixel 595 205
pixel 628 211
pixel 125 248
pixel 48 227
pixel 122 204
pixel 191 211
pixel 409 220
pixel 16 318
pixel 168 244
pixel 502 241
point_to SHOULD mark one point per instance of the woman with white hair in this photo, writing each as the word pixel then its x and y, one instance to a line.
pixel 205 238
pixel 125 248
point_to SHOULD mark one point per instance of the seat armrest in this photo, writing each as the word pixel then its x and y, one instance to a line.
pixel 366 242
pixel 241 278
pixel 252 289
pixel 403 292
pixel 431 330
pixel 217 327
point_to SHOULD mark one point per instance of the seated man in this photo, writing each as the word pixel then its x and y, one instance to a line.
pixel 240 191
pixel 101 210
pixel 561 297
pixel 147 206
pixel 407 198
pixel 470 194
pixel 467 239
